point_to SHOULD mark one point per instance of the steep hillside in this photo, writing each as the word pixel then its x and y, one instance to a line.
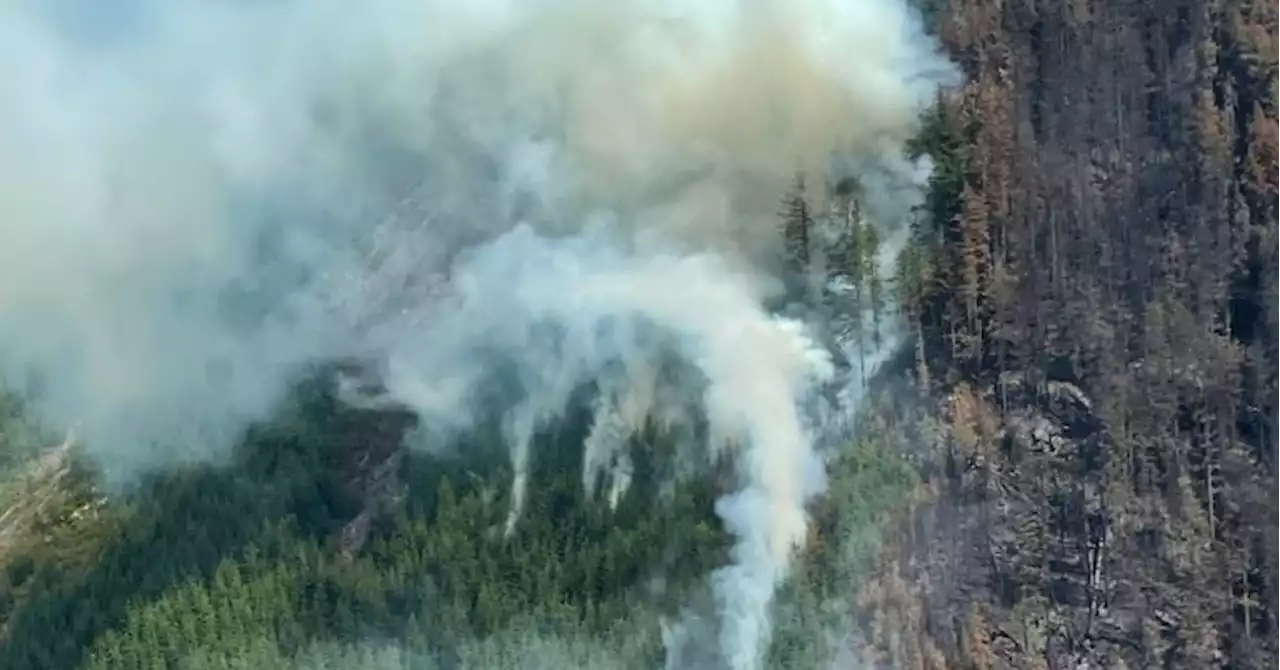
pixel 1099 330
pixel 1023 418
pixel 253 563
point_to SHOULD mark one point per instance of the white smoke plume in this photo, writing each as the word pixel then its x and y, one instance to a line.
pixel 199 198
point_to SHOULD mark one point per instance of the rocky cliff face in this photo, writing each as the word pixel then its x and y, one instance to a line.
pixel 1029 548
pixel 369 450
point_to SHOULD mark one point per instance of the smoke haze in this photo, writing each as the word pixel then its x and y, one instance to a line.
pixel 198 199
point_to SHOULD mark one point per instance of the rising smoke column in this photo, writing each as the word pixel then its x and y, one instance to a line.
pixel 600 305
pixel 199 199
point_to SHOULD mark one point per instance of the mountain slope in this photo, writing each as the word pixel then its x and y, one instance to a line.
pixel 1100 327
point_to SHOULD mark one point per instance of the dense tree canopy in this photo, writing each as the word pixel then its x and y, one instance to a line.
pixel 1079 468
pixel 245 563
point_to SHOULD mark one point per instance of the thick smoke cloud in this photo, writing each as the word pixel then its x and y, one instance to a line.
pixel 198 199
